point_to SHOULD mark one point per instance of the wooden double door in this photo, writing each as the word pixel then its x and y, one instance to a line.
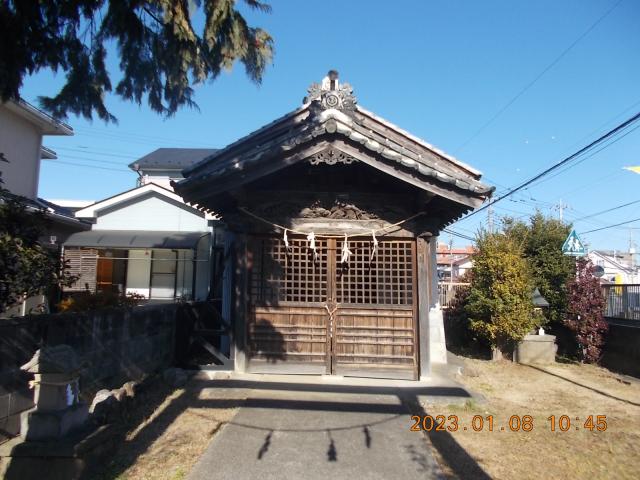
pixel 311 313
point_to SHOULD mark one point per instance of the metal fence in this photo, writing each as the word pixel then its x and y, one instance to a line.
pixel 623 301
pixel 447 292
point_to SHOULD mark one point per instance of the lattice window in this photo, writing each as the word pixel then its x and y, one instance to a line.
pixel 385 280
pixel 279 275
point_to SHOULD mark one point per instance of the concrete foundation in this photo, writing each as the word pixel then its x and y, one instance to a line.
pixel 43 425
pixel 68 458
pixel 537 349
pixel 437 344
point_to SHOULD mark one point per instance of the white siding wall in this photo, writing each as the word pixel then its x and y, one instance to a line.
pixel 152 213
pixel 20 141
pixel 139 272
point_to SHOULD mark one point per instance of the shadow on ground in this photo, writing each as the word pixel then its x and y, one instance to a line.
pixel 448 449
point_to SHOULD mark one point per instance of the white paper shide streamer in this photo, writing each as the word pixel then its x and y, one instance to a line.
pixel 286 240
pixel 345 251
pixel 375 246
pixel 311 238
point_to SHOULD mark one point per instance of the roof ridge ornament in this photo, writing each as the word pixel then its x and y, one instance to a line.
pixel 330 93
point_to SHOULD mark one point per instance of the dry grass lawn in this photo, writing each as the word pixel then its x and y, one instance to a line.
pixel 562 389
pixel 169 436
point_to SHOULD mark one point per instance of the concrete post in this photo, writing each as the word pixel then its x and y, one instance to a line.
pixel 437 344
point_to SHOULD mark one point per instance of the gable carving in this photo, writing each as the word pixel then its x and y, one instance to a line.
pixel 327 209
pixel 331 156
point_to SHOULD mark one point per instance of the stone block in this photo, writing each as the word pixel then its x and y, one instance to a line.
pixel 36 425
pixel 80 455
pixel 537 349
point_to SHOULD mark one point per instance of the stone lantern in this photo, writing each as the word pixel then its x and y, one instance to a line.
pixel 537 349
pixel 58 409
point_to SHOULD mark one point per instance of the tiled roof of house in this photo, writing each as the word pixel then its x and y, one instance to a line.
pixel 443 249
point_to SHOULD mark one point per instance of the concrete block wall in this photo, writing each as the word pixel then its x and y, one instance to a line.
pixel 113 345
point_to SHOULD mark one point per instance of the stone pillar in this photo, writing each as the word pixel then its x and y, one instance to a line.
pixel 58 409
pixel 437 344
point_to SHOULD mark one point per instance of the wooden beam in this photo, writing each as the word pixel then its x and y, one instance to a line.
pixel 240 302
pixel 217 354
pixel 424 292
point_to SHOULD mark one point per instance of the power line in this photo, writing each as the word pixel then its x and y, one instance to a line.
pixel 456 234
pixel 589 156
pixel 538 77
pixel 58 162
pixel 96 152
pixel 95 160
pixel 137 137
pixel 561 163
pixel 607 210
pixel 611 226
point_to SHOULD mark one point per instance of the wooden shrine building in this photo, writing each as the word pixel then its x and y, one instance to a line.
pixel 332 215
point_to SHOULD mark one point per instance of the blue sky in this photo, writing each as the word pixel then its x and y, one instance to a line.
pixel 439 69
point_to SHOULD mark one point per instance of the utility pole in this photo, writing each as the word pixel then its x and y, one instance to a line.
pixel 450 259
pixel 632 255
pixel 561 207
pixel 490 218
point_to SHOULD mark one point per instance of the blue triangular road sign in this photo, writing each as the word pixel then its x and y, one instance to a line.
pixel 573 245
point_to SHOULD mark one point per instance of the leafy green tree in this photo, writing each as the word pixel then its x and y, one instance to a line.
pixel 161 54
pixel 27 267
pixel 499 301
pixel 542 240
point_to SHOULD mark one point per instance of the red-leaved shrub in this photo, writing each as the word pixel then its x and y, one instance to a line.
pixel 585 312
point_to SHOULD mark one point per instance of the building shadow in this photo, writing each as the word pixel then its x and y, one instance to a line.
pixel 451 452
pixel 455 456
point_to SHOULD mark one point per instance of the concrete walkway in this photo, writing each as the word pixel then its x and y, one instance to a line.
pixel 322 428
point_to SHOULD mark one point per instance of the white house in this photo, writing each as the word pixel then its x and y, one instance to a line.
pixel 619 267
pixel 146 240
pixel 22 128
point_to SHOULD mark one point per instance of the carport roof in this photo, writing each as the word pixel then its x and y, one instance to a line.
pixel 135 239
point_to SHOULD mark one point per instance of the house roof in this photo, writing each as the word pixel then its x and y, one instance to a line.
pixel 91 211
pixel 608 255
pixel 444 249
pixel 48 124
pixel 172 158
pixel 331 115
pixel 538 300
pixel 455 260
pixel 135 239
pixel 47 154
pixel 55 212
